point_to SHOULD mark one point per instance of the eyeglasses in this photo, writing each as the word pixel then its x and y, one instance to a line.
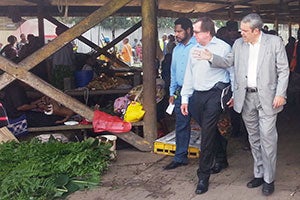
pixel 198 32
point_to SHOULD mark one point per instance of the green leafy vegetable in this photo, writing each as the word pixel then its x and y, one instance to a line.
pixel 39 171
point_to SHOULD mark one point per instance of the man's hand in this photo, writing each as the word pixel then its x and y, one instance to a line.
pixel 184 109
pixel 278 101
pixel 202 54
pixel 171 100
pixel 230 102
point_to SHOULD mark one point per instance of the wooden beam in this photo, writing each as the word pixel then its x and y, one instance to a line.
pixel 69 35
pixel 79 108
pixel 112 57
pixel 72 33
pixel 41 22
pixel 149 35
pixel 45 88
pixel 122 36
pixel 20 71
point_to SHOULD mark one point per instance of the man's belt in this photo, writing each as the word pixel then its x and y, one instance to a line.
pixel 251 89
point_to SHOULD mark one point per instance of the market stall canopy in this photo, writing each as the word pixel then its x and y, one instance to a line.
pixel 282 10
pixel 30 26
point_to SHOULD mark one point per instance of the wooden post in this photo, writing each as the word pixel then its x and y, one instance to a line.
pixel 290 29
pixel 149 35
pixel 41 21
pixel 276 24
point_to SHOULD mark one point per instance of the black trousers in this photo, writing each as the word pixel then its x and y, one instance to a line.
pixel 205 108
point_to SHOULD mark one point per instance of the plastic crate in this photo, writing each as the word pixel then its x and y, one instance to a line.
pixel 166 145
pixel 169 149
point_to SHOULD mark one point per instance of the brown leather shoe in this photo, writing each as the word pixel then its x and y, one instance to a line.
pixel 256 182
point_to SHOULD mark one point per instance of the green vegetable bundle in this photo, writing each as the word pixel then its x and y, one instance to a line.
pixel 40 171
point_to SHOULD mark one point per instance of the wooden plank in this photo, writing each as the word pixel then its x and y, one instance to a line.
pixel 6 135
pixel 45 88
pixel 95 92
pixel 149 11
pixel 130 137
pixel 60 128
pixel 103 51
pixel 135 140
pixel 77 30
pixel 73 127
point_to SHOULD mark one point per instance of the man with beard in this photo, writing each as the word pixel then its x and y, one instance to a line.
pixel 184 36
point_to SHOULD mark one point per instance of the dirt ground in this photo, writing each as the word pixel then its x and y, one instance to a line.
pixel 138 175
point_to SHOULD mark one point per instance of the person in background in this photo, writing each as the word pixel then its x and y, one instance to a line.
pixel 133 46
pixel 261 80
pixel 127 52
pixel 9 50
pixel 238 126
pixel 222 34
pixel 171 44
pixel 297 53
pixel 164 42
pixel 273 32
pixel 233 31
pixel 17 104
pixel 289 48
pixel 62 64
pixel 166 71
pixel 265 29
pixel 184 36
pixel 22 42
pixel 138 51
pixel 201 98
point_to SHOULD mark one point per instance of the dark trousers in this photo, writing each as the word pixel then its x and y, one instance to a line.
pixel 205 108
pixel 183 133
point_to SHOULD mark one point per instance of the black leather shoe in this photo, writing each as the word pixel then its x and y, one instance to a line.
pixel 202 186
pixel 255 182
pixel 174 165
pixel 268 188
pixel 218 167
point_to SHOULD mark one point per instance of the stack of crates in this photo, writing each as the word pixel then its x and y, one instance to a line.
pixel 166 145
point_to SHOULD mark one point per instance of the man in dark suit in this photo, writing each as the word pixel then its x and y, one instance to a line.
pixel 261 79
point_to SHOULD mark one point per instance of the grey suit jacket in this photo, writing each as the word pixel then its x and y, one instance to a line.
pixel 272 71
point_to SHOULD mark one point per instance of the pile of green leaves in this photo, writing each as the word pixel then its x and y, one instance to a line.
pixel 39 171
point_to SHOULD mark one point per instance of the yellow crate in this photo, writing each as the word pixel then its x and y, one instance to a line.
pixel 169 149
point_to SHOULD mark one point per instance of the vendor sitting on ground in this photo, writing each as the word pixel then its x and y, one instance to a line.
pixel 42 112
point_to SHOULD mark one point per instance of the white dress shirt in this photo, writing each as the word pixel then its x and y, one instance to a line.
pixel 252 63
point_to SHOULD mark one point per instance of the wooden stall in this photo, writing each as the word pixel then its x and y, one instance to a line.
pixel 286 11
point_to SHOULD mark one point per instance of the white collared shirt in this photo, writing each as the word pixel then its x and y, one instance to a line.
pixel 252 63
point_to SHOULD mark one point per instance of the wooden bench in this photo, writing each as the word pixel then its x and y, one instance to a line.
pixel 81 127
pixel 60 128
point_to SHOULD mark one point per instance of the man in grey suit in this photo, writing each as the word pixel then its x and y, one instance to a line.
pixel 261 80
